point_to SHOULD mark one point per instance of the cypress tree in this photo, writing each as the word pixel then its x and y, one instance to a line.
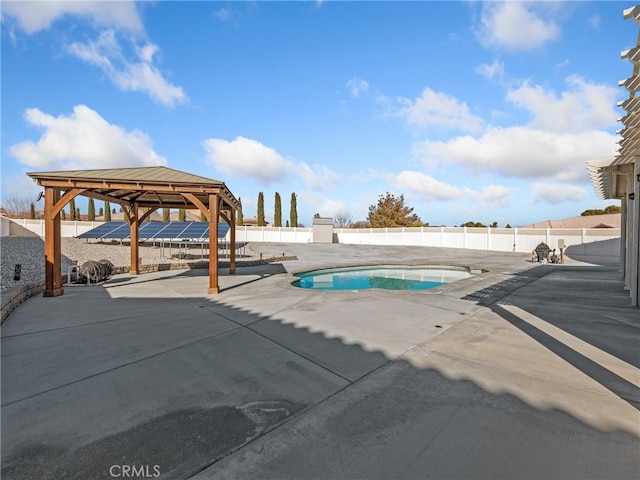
pixel 202 217
pixel 63 215
pixel 72 209
pixel 277 220
pixel 78 216
pixel 287 225
pixel 101 212
pixel 261 221
pixel 293 216
pixel 166 215
pixel 32 211
pixel 182 215
pixel 91 214
pixel 240 217
pixel 107 212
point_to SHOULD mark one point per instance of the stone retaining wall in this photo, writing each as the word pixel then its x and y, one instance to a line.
pixel 15 296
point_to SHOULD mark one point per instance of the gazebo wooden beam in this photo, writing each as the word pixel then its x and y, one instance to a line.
pixel 208 215
pixel 52 247
pixel 214 212
pixel 66 198
pixel 134 223
pixel 132 187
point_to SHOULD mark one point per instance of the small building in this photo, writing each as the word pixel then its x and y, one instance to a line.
pixel 322 230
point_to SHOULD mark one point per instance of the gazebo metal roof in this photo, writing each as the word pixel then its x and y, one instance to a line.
pixel 149 187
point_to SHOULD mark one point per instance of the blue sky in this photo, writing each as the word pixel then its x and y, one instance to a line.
pixel 475 111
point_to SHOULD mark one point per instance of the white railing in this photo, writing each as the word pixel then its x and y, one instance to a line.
pixel 585 241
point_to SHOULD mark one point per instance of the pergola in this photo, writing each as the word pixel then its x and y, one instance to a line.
pixel 619 176
pixel 140 192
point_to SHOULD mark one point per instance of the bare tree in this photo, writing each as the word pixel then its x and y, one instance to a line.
pixel 16 207
pixel 342 219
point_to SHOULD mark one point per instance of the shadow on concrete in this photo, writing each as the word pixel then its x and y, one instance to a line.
pixel 598 313
pixel 177 386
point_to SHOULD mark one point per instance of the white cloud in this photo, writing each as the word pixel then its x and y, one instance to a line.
pixel 251 159
pixel 521 152
pixel 555 193
pixel 83 140
pixel 493 195
pixel 583 106
pixel 425 186
pixel 35 16
pixel 594 21
pixel 438 109
pixel 357 86
pixel 325 206
pixel 141 75
pixel 516 25
pixel 491 71
pixel 20 186
pixel 224 14
pixel 318 177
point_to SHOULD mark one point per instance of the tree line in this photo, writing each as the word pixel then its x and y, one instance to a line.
pixel 261 220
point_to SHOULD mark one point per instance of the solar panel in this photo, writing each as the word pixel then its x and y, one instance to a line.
pixel 108 230
pixel 153 230
pixel 197 230
pixel 174 230
pixel 149 229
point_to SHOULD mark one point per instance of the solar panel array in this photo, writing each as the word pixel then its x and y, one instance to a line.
pixel 155 230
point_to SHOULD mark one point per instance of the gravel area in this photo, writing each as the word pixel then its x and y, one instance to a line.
pixel 29 253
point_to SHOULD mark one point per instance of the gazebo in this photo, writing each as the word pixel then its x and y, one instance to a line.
pixel 139 191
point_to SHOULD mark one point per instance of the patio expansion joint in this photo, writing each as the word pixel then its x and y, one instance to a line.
pixel 297 415
pixel 124 365
pixel 90 324
pixel 564 383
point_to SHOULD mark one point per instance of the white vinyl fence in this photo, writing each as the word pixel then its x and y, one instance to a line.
pixel 579 241
pixel 496 239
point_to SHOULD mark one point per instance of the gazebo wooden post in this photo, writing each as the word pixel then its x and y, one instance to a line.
pixel 232 239
pixel 214 213
pixel 52 245
pixel 134 224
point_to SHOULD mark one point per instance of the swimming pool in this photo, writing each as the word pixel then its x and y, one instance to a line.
pixel 389 277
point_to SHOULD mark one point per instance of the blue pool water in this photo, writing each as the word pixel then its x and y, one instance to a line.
pixel 387 277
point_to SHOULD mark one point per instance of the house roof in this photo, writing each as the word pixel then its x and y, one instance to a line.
pixel 611 220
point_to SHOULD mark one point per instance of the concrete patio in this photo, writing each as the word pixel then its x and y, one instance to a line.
pixel 523 371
